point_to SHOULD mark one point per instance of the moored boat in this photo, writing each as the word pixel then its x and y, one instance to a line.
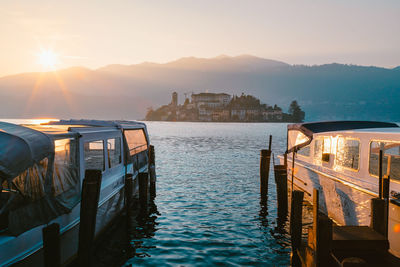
pixel 341 160
pixel 41 172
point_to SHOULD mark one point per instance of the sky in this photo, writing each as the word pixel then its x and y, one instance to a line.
pixel 97 33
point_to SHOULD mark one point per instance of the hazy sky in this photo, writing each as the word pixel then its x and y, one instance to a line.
pixel 97 33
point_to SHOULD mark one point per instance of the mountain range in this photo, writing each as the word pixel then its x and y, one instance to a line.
pixel 325 92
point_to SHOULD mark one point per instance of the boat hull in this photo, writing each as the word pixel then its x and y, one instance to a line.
pixel 345 202
pixel 32 255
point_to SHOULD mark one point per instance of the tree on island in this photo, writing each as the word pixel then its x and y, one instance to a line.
pixel 295 112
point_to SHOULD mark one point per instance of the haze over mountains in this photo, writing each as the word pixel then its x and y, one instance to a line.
pixel 331 91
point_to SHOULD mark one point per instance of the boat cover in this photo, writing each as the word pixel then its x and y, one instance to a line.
pixel 40 182
pixel 301 134
pixel 20 148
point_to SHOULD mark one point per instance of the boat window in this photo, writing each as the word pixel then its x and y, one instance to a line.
pixel 348 153
pixel 30 183
pixel 390 160
pixel 318 148
pixel 114 151
pixel 304 151
pixel 94 155
pixel 322 149
pixel 65 166
pixel 136 140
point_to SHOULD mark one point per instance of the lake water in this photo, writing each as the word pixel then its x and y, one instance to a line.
pixel 208 197
pixel 207 210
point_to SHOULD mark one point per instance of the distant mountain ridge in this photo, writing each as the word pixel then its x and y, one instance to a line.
pixel 325 92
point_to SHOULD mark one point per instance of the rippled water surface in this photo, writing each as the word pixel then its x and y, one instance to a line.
pixel 208 203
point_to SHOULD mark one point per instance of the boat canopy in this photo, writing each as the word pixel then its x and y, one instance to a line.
pixel 39 178
pixel 301 134
pixel 21 148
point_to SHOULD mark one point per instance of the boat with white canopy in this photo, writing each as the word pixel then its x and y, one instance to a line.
pixel 341 160
pixel 41 172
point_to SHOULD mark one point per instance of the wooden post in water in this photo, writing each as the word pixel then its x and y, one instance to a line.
pixel 51 245
pixel 320 238
pixel 89 204
pixel 378 208
pixel 315 217
pixel 296 214
pixel 293 159
pixel 128 197
pixel 270 142
pixel 265 160
pixel 143 192
pixel 324 241
pixel 152 172
pixel 280 172
pixel 380 172
pixel 386 197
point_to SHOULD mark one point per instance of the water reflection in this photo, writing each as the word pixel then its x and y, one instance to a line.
pixel 124 240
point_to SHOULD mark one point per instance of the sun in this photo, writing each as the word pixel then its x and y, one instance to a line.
pixel 48 59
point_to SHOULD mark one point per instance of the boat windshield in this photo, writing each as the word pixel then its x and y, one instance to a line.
pixel 297 139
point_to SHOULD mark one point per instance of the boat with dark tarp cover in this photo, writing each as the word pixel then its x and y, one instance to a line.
pixel 341 160
pixel 41 172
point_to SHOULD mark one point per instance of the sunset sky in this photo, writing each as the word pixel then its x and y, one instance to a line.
pixel 36 34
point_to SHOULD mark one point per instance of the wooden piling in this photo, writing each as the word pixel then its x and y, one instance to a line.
pixel 386 197
pixel 378 222
pixel 324 240
pixel 143 192
pixel 88 212
pixel 128 197
pixel 296 225
pixel 51 245
pixel 320 239
pixel 280 172
pixel 270 143
pixel 152 172
pixel 380 172
pixel 315 217
pixel 265 159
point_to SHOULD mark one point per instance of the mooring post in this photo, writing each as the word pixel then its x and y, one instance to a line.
pixel 265 158
pixel 324 240
pixel 280 172
pixel 378 207
pixel 152 172
pixel 293 159
pixel 315 217
pixel 380 172
pixel 296 213
pixel 128 197
pixel 386 197
pixel 51 245
pixel 143 192
pixel 270 142
pixel 89 204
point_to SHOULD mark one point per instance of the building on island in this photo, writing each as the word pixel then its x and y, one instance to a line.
pixel 211 99
pixel 219 107
pixel 174 101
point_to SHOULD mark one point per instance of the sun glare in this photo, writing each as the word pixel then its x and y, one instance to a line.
pixel 48 59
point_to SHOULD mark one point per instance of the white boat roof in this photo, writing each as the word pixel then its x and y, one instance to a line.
pixel 68 127
pixel 310 129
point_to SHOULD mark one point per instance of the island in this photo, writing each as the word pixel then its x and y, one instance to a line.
pixel 222 107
